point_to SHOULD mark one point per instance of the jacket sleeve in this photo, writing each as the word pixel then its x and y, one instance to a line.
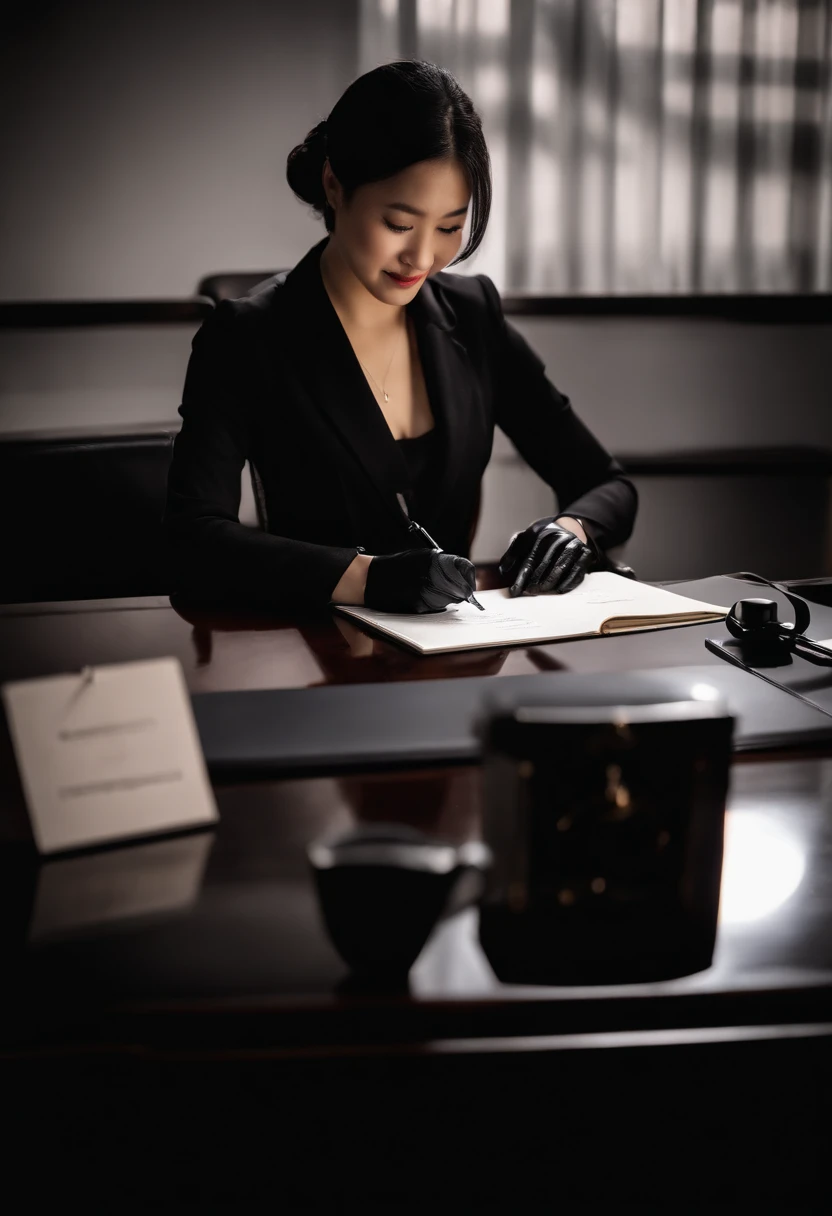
pixel 539 420
pixel 212 552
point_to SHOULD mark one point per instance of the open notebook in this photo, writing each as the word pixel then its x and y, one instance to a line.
pixel 603 603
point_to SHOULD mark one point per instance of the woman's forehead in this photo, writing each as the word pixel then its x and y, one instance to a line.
pixel 431 186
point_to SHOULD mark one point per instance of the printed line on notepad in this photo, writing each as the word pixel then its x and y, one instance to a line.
pixel 119 783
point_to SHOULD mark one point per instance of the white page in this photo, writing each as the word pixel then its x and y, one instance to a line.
pixel 532 618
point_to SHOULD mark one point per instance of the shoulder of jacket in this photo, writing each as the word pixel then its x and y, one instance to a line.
pixel 246 313
pixel 473 295
pixel 465 288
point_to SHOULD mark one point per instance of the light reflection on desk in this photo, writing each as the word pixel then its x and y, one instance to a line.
pixel 763 867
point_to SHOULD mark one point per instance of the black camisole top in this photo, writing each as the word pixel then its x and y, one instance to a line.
pixel 422 456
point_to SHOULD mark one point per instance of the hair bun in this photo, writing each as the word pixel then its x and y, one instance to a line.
pixel 304 166
pixel 318 132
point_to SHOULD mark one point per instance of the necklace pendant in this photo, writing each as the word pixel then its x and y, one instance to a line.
pixel 386 398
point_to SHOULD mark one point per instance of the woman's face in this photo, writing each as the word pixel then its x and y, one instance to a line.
pixel 408 225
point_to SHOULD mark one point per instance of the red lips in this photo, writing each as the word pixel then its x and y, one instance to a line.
pixel 397 278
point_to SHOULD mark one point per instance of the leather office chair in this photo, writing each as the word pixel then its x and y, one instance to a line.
pixel 230 285
pixel 83 515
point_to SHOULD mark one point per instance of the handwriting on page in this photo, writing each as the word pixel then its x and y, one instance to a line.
pixel 609 599
pixel 485 618
pixel 500 621
pixel 587 595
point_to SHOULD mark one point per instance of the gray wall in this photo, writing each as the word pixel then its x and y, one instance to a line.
pixel 144 144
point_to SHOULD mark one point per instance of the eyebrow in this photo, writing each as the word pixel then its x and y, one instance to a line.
pixel 415 210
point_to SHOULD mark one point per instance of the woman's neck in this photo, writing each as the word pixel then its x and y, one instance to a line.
pixel 358 310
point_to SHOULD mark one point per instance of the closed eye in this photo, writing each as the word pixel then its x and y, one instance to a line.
pixel 405 228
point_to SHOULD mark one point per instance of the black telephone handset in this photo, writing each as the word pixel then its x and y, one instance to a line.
pixel 765 640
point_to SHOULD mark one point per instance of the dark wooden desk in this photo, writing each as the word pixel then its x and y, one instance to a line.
pixel 183 998
pixel 223 651
pixel 178 1006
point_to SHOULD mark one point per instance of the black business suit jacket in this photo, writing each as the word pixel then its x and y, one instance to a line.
pixel 273 378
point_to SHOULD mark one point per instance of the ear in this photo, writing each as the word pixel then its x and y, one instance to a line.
pixel 331 185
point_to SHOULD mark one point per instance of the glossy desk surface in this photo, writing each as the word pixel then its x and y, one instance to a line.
pixel 214 940
pixel 222 651
pixel 127 943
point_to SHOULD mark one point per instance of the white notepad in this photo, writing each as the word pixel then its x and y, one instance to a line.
pixel 110 753
pixel 603 603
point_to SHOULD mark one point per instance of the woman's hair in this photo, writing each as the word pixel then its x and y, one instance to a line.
pixel 388 119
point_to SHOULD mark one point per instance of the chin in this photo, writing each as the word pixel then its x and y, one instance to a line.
pixel 384 290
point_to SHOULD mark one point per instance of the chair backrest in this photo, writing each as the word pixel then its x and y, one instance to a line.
pixel 83 515
pixel 231 284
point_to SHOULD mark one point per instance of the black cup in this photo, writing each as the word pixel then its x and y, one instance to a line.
pixel 382 888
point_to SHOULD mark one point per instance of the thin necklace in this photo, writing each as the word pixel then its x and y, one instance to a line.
pixel 386 374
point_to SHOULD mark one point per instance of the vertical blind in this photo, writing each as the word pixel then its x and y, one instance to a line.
pixel 640 146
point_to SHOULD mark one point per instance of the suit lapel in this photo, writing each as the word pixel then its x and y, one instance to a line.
pixel 451 383
pixel 316 345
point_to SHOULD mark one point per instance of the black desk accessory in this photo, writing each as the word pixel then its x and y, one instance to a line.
pixel 764 640
pixel 606 827
pixel 383 887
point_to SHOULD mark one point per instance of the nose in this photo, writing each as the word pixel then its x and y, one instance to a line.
pixel 418 255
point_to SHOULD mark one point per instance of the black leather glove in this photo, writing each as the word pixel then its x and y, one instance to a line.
pixel 418 580
pixel 546 557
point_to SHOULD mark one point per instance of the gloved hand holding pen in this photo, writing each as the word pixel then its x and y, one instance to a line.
pixel 418 580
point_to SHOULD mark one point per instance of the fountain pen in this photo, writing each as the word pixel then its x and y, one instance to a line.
pixel 412 526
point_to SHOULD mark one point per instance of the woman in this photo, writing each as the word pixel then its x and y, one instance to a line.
pixel 364 386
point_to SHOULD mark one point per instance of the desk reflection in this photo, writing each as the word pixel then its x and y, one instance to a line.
pixel 95 892
pixel 444 803
pixel 334 651
pixel 263 650
pixel 153 919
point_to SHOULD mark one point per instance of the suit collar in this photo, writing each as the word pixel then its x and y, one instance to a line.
pixel 304 281
pixel 329 372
